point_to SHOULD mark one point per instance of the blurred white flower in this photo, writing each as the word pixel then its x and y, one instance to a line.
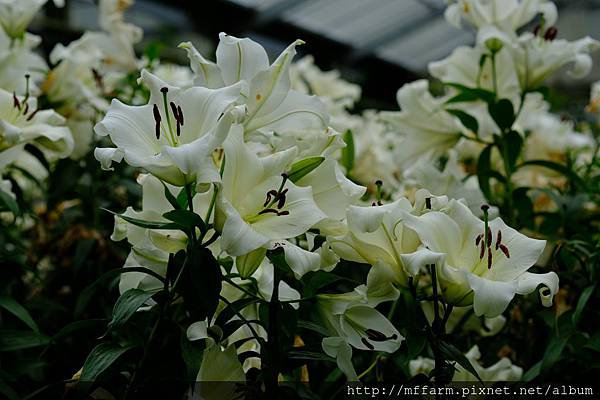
pixel 502 371
pixel 15 15
pixel 21 121
pixel 427 128
pixel 507 15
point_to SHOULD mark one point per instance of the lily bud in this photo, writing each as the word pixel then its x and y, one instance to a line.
pixel 249 263
pixel 494 45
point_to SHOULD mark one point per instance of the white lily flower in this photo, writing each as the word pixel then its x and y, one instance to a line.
pixel 308 78
pixel 16 15
pixel 487 275
pixel 256 204
pixel 427 128
pixel 594 106
pixel 174 135
pixel 502 371
pixel 353 321
pixel 452 182
pixel 378 237
pixel 270 103
pixel 538 57
pixel 508 15
pixel 21 121
pixel 18 59
pixel 332 190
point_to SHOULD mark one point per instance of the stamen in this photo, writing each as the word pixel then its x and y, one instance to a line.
pixel 482 251
pixel 268 210
pixel 551 34
pixel 489 259
pixel 180 113
pixel 16 102
pixel 505 250
pixel 282 198
pixel 26 108
pixel 537 29
pixel 174 109
pixel 283 213
pixel 157 120
pixel 270 194
pixel 32 114
pixel 489 237
pixel 27 76
pixel 428 203
pixel 366 343
pixel 498 239
pixel 478 239
pixel 376 335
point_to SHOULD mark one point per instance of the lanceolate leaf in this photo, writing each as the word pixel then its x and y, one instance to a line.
pixel 100 359
pixel 503 113
pixel 348 154
pixel 17 340
pixel 127 304
pixel 18 311
pixel 583 300
pixel 452 353
pixel 146 224
pixel 87 293
pixel 466 119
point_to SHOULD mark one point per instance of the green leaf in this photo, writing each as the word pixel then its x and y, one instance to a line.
pixel 8 392
pixel 512 144
pixel 182 196
pixel 191 352
pixel 318 280
pixel 583 299
pixel 77 326
pixel 553 352
pixel 127 304
pixel 230 310
pixel 484 167
pixel 201 283
pixel 172 199
pixel 100 358
pixel 301 168
pixel 562 169
pixel 87 293
pixel 452 353
pixel 11 339
pixel 467 94
pixel 348 152
pixel 146 224
pixel 19 311
pixel 311 326
pixel 309 355
pixel 9 202
pixel 503 113
pixel 532 373
pixel 186 219
pixel 466 119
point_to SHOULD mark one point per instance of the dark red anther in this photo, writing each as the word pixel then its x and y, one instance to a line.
pixel 489 237
pixel 366 343
pixel 505 250
pixel 536 30
pixel 26 108
pixel 32 114
pixel 174 110
pixel 478 239
pixel 270 194
pixel 283 213
pixel 157 120
pixel 281 198
pixel 178 129
pixel 268 210
pixel 551 34
pixel 376 336
pixel 428 203
pixel 498 239
pixel 180 113
pixel 16 102
pixel 482 251
pixel 489 259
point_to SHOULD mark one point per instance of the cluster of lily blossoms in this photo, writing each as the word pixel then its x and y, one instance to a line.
pixel 268 155
pixel 262 150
